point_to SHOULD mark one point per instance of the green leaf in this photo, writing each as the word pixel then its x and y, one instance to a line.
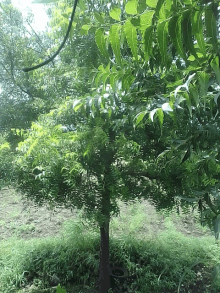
pixel 76 105
pixel 115 13
pixel 5 145
pixel 127 80
pixel 141 6
pixel 100 42
pixel 146 19
pixel 99 17
pixel 85 29
pixel 160 116
pixel 131 36
pixel 203 78
pixel 191 58
pixel 167 108
pixel 211 27
pixel 152 113
pixel 162 31
pixel 215 67
pixel 187 2
pixel 158 7
pixel 148 39
pixel 193 89
pixel 113 79
pixel 175 32
pixel 131 7
pixel 197 28
pixel 152 3
pixel 139 117
pixel 168 5
pixel 115 41
pixel 60 290
pixel 187 32
pixel 188 102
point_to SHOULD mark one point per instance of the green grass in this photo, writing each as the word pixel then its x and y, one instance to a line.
pixel 166 262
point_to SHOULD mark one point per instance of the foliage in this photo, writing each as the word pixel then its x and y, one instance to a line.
pixel 6 162
pixel 86 154
pixel 18 107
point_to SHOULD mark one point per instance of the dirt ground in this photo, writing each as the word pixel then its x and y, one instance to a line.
pixel 28 221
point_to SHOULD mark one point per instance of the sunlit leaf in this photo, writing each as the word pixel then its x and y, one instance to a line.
pixel 131 7
pixel 85 29
pixel 131 36
pixel 152 113
pixel 5 145
pixel 160 116
pixel 100 42
pixel 139 117
pixel 77 104
pixel 115 13
pixel 60 290
pixel 115 41
pixel 166 107
pixel 146 19
pixel 152 3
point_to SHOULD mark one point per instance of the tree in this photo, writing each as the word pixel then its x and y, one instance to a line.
pixel 158 159
pixel 89 164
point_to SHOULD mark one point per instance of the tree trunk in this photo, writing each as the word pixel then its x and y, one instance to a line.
pixel 104 270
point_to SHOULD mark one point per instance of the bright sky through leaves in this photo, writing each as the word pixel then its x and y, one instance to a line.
pixel 38 10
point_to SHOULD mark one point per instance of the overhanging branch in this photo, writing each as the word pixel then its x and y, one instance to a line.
pixel 27 69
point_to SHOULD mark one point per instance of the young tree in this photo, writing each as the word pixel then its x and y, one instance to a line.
pixel 90 161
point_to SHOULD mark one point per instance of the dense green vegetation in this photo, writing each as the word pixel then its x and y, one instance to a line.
pixel 129 109
pixel 162 263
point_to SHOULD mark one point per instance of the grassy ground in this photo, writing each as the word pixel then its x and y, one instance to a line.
pixel 161 254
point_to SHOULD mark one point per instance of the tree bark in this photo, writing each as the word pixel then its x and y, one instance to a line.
pixel 104 270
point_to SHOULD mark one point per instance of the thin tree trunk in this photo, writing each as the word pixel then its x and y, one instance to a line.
pixel 104 270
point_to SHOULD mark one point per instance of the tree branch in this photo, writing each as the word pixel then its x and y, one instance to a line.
pixel 27 69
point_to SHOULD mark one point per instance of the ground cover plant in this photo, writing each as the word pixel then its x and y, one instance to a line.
pixel 158 257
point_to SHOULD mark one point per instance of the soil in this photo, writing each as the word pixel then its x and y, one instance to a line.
pixel 24 219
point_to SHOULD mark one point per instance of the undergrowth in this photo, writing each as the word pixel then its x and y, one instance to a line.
pixel 167 262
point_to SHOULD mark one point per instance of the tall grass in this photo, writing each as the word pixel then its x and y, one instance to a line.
pixel 165 262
